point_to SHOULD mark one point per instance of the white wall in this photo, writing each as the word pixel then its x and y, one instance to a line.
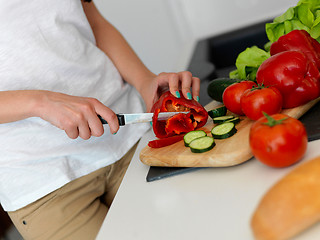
pixel 211 17
pixel 164 32
pixel 150 29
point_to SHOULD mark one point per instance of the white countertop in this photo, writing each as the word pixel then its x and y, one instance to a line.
pixel 211 203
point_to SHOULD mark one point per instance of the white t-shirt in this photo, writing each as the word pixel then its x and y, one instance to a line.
pixel 49 45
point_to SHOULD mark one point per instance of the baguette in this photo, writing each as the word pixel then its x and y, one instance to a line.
pixel 291 205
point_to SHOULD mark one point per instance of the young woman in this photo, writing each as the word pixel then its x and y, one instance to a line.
pixel 61 65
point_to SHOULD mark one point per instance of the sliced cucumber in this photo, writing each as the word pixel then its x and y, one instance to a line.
pixel 234 120
pixel 190 136
pixel 223 130
pixel 218 112
pixel 202 144
pixel 222 119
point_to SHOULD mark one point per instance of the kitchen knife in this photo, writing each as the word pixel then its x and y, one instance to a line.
pixel 130 118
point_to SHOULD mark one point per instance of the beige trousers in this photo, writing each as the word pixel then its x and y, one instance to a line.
pixel 75 211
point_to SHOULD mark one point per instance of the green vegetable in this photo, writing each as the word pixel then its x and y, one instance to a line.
pixel 217 86
pixel 190 136
pixel 218 112
pixel 234 120
pixel 304 16
pixel 202 144
pixel 248 62
pixel 222 119
pixel 224 130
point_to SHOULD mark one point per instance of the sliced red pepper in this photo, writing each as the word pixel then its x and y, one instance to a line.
pixel 180 123
pixel 163 142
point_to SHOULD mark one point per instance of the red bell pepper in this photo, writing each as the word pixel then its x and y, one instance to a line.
pixel 293 74
pixel 298 40
pixel 163 142
pixel 180 123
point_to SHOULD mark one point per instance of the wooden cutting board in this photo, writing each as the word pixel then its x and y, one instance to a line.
pixel 227 152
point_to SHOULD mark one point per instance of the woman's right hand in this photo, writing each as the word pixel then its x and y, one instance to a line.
pixel 77 116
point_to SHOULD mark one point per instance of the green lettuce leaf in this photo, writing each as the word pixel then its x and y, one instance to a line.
pixel 248 62
pixel 304 16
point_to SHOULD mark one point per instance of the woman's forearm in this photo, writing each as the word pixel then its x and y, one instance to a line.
pixel 77 116
pixel 18 105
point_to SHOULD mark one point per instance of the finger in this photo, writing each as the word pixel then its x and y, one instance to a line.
pixel 111 118
pixel 83 119
pixel 196 88
pixel 84 130
pixel 174 81
pixel 72 133
pixel 186 81
pixel 106 113
pixel 78 125
pixel 113 122
pixel 94 123
pixel 69 126
pixel 95 126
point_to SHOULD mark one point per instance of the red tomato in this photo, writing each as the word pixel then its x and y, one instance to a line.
pixel 261 99
pixel 278 141
pixel 232 95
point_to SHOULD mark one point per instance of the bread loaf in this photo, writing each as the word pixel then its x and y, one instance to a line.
pixel 291 205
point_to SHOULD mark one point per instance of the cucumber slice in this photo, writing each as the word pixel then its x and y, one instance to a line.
pixel 202 144
pixel 218 112
pixel 190 136
pixel 224 130
pixel 234 120
pixel 222 119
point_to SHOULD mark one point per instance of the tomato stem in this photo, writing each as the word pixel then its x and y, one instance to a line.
pixel 271 121
pixel 258 87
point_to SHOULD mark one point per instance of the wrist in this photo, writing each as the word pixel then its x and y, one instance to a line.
pixel 37 99
pixel 143 82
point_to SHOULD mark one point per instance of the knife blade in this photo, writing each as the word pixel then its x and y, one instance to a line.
pixel 131 118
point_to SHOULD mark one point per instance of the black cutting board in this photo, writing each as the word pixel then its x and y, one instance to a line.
pixel 311 121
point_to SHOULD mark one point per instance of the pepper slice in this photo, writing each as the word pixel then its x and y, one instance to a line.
pixel 180 123
pixel 159 143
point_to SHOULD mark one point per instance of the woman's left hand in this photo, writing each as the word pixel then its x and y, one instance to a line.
pixel 174 82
